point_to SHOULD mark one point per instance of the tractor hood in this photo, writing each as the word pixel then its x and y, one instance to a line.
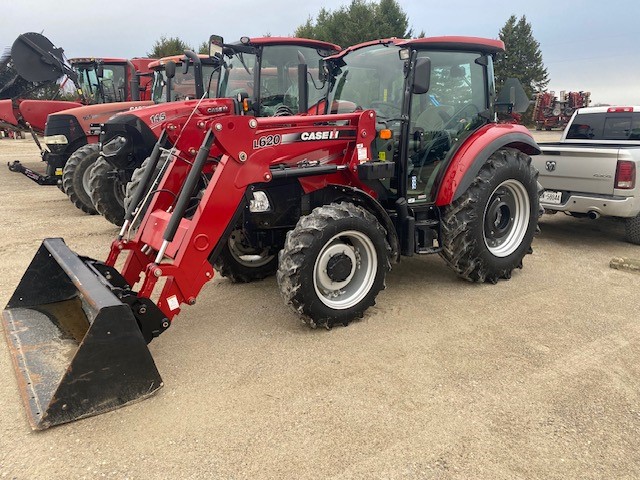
pixel 36 111
pixel 89 115
pixel 138 130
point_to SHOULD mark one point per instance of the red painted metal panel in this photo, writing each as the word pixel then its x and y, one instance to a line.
pixel 467 154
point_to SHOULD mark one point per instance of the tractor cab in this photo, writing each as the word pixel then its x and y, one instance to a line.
pixel 110 80
pixel 429 95
pixel 264 71
pixel 172 82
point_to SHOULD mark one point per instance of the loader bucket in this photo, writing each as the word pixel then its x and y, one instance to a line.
pixel 77 349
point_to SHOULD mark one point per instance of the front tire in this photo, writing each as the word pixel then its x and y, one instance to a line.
pixel 488 230
pixel 75 177
pixel 106 192
pixel 333 264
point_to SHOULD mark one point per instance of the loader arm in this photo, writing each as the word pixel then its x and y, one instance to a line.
pixel 244 151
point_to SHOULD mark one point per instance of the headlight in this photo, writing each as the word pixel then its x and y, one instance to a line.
pixel 259 203
pixel 113 146
pixel 55 140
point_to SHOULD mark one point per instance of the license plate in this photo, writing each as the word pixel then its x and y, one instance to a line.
pixel 551 196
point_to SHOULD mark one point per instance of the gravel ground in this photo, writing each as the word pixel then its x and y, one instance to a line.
pixel 535 377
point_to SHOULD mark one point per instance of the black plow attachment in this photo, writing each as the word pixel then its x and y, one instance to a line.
pixel 76 347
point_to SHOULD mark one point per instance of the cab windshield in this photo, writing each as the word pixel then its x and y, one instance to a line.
pixel 183 86
pixel 111 87
pixel 277 78
pixel 371 78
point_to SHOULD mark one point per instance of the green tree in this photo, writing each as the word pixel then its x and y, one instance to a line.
pixel 165 47
pixel 522 59
pixel 358 22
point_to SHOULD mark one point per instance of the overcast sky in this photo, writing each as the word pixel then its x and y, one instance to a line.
pixel 588 45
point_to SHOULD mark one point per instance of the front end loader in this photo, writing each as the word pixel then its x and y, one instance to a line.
pixel 404 157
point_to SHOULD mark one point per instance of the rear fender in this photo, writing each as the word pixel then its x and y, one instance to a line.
pixel 474 152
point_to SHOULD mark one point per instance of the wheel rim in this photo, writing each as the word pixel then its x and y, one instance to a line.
pixel 245 254
pixel 506 218
pixel 345 270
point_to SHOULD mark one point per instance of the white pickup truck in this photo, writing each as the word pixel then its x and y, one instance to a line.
pixel 592 170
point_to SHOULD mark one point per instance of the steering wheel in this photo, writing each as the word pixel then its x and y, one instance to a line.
pixel 391 108
pixel 458 117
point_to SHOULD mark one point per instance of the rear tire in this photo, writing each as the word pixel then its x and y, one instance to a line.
pixel 333 264
pixel 241 263
pixel 106 192
pixel 75 177
pixel 632 229
pixel 488 230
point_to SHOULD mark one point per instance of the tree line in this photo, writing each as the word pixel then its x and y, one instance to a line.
pixel 361 21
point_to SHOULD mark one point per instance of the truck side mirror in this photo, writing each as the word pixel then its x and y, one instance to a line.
pixel 216 43
pixel 421 76
pixel 170 69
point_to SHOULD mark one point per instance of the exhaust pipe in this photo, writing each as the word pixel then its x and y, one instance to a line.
pixel 593 215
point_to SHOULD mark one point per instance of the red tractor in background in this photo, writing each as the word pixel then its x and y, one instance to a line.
pixel 553 112
pixel 400 156
pixel 72 136
pixel 263 71
pixel 96 80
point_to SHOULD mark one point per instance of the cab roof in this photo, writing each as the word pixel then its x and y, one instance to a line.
pixel 485 45
pixel 306 42
pixel 109 60
pixel 177 59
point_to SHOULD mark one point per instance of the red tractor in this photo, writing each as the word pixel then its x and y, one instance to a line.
pixel 97 81
pixel 400 155
pixel 72 136
pixel 263 71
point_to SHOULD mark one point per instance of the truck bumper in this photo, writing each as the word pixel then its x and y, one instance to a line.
pixel 605 205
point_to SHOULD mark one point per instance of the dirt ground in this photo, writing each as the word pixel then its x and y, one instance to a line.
pixel 535 377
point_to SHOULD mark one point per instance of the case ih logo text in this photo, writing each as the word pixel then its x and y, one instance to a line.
pixel 326 135
pixel 220 109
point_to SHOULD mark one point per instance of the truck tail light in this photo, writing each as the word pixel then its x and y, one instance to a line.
pixel 620 110
pixel 626 175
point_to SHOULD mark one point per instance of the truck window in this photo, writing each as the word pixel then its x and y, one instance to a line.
pixel 596 126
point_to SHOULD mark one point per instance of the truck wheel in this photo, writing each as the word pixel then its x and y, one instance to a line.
pixel 488 230
pixel 333 264
pixel 75 177
pixel 106 192
pixel 242 263
pixel 632 229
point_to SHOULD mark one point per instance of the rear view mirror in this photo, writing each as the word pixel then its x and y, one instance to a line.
pixel 216 43
pixel 322 70
pixel 421 76
pixel 170 69
pixel 100 70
